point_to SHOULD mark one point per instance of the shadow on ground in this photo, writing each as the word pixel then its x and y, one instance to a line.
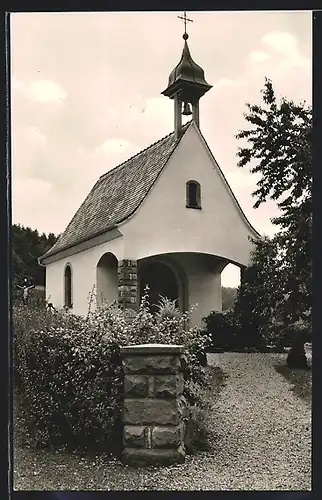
pixel 300 379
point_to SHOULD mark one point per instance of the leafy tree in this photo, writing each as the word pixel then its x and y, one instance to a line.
pixel 261 289
pixel 228 297
pixel 279 148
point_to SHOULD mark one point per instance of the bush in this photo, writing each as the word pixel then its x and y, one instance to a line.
pixel 276 334
pixel 227 334
pixel 70 383
pixel 281 335
pixel 68 373
pixel 223 331
pixel 303 327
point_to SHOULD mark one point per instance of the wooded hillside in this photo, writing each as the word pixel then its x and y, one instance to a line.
pixel 27 246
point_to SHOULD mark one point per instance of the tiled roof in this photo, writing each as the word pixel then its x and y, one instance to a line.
pixel 117 194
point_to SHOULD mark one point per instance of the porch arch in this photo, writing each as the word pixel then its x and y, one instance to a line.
pixel 107 279
pixel 165 278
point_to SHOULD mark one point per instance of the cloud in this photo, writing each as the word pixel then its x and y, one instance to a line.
pixel 258 56
pixel 29 150
pixel 224 83
pixel 36 204
pixel 113 146
pixel 27 194
pixel 34 135
pixel 282 42
pixel 116 151
pixel 283 62
pixel 286 45
pixel 31 188
pixel 46 91
pixel 157 107
pixel 143 119
pixel 42 91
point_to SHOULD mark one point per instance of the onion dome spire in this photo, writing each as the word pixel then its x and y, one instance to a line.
pixel 186 84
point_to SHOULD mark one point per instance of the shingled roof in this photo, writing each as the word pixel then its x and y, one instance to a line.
pixel 117 194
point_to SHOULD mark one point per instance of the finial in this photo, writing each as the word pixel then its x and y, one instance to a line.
pixel 185 36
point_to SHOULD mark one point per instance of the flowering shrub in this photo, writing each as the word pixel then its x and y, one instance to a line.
pixel 68 371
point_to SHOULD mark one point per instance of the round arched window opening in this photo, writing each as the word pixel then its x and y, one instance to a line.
pixel 68 286
pixel 193 194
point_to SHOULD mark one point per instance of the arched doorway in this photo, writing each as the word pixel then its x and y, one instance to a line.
pixel 107 279
pixel 161 280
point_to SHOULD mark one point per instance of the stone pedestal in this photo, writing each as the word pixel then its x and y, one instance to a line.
pixel 154 406
pixel 128 284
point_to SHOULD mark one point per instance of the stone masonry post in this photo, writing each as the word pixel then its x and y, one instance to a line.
pixel 128 284
pixel 154 406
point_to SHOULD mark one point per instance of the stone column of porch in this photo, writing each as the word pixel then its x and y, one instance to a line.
pixel 154 407
pixel 128 284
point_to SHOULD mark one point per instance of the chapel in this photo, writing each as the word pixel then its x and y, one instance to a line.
pixel 165 218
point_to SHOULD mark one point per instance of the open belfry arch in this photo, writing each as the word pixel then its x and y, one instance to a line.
pixel 175 227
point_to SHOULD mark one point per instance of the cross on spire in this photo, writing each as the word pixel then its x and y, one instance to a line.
pixel 185 19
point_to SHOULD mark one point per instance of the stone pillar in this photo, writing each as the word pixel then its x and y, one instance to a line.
pixel 128 284
pixel 154 407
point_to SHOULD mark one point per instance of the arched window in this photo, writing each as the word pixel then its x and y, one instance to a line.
pixel 68 286
pixel 193 194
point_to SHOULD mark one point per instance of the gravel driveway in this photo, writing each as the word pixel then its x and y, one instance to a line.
pixel 262 441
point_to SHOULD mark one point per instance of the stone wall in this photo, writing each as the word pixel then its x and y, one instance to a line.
pixel 128 284
pixel 154 407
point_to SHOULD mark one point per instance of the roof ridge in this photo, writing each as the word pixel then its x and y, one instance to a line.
pixel 151 160
pixel 142 151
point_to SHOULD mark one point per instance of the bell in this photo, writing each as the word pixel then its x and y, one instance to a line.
pixel 186 109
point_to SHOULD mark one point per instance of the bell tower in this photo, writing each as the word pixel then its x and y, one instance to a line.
pixel 186 85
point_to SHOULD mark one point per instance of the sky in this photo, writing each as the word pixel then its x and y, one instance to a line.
pixel 86 95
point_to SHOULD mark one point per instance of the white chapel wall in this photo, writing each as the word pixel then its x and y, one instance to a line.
pixel 163 223
pixel 206 293
pixel 204 284
pixel 84 275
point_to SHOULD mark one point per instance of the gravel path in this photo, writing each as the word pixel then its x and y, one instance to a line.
pixel 263 430
pixel 262 441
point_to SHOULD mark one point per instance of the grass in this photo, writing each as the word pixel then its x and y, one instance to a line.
pixel 43 469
